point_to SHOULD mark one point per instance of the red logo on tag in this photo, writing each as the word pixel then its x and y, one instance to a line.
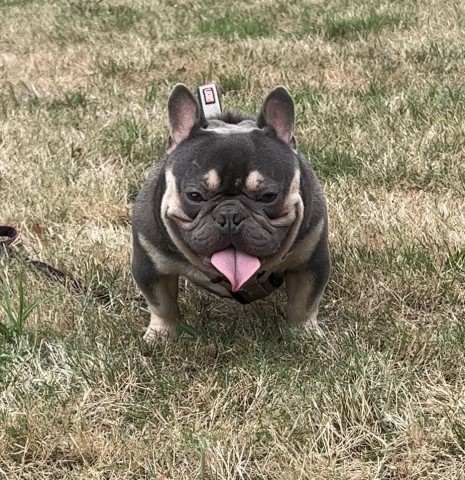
pixel 209 95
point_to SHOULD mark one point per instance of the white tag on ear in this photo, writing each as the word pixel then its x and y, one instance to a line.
pixel 209 101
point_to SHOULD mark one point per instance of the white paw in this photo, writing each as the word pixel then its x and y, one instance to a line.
pixel 308 325
pixel 155 332
pixel 312 328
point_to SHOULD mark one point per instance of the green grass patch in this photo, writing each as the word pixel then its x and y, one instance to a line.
pixel 456 261
pixel 10 102
pixel 436 56
pixel 130 138
pixel 306 96
pixel 230 26
pixel 233 82
pixel 70 100
pixel 16 312
pixel 98 15
pixel 331 163
pixel 335 28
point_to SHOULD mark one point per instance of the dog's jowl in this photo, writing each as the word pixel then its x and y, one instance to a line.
pixel 235 208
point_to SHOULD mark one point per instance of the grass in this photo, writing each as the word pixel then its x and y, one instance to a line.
pixel 335 28
pixel 380 101
pixel 228 27
pixel 15 320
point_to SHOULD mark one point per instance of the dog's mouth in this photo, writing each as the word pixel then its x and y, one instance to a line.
pixel 235 265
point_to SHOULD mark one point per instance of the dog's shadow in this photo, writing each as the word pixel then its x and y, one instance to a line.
pixel 206 316
pixel 222 337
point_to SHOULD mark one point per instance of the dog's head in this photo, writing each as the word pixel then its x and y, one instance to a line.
pixel 232 199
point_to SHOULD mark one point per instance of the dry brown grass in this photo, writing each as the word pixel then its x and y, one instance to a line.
pixel 380 93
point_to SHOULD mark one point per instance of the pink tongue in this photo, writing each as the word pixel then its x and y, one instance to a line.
pixel 235 265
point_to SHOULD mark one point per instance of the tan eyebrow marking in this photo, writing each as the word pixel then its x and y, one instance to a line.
pixel 212 179
pixel 254 180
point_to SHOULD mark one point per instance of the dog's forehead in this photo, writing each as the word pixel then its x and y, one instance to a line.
pixel 233 156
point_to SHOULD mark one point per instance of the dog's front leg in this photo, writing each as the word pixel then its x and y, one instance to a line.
pixel 304 291
pixel 306 286
pixel 161 294
pixel 302 299
pixel 160 291
pixel 163 306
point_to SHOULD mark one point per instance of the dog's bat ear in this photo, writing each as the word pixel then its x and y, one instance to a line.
pixel 183 115
pixel 278 112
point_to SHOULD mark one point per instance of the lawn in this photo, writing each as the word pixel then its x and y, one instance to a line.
pixel 379 87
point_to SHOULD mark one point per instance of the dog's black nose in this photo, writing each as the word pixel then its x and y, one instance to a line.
pixel 229 218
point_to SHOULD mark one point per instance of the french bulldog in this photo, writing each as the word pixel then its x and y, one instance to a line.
pixel 234 207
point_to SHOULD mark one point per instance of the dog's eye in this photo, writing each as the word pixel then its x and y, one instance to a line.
pixel 194 196
pixel 268 197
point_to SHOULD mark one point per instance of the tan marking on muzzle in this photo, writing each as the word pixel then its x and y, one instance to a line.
pixel 171 203
pixel 292 214
pixel 254 180
pixel 171 212
pixel 293 197
pixel 212 179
